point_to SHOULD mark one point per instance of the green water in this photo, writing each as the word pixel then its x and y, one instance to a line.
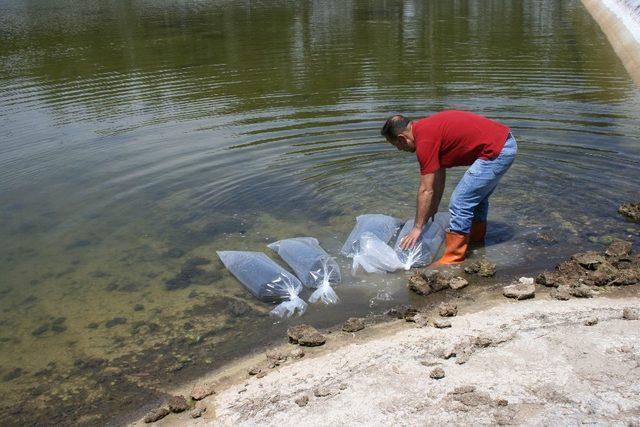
pixel 140 137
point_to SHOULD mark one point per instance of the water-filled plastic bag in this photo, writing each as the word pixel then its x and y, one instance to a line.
pixel 313 266
pixel 375 256
pixel 382 226
pixel 266 280
pixel 427 246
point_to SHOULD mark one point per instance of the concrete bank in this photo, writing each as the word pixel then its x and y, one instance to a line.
pixel 536 362
pixel 620 22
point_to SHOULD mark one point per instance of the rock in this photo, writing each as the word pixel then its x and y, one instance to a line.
pixel 588 260
pixel 321 392
pixel 420 320
pixel 483 342
pixel 590 322
pixel 626 277
pixel 418 284
pixel 618 249
pixel 483 268
pixel 296 332
pixel 437 373
pixel 343 386
pixel 570 269
pixel 502 402
pixel 561 293
pixel 353 324
pixel 519 291
pixel 631 313
pixel 463 389
pixel 201 390
pixel 441 323
pixel 526 280
pixel 155 415
pixel 12 374
pixel 40 330
pixel 447 309
pixel 312 340
pixel 603 275
pixel 302 400
pixel 547 279
pixel 297 353
pixel 177 404
pixel 429 282
pixel 138 307
pixel 255 370
pixel 630 211
pixel 409 314
pixel 458 283
pixel 115 322
pixel 261 374
pixel 276 358
pixel 580 291
pixel 198 412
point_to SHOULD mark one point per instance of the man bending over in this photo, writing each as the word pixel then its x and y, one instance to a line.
pixel 448 139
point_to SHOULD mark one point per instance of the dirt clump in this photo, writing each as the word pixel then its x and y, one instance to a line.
pixel 630 211
pixel 591 321
pixel 305 335
pixel 447 309
pixel 428 282
pixel 177 404
pixel 441 323
pixel 631 313
pixel 437 373
pixel 155 415
pixel 483 268
pixel 302 400
pixel 200 391
pixel 561 293
pixel 519 291
pixel 353 324
pixel 458 283
pixel 589 260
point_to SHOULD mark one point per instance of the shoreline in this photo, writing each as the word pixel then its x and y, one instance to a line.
pixel 622 29
pixel 356 364
pixel 286 376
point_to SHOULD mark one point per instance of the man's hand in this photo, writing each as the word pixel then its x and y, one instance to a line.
pixel 410 240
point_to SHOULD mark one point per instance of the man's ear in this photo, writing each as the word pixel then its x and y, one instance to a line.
pixel 402 138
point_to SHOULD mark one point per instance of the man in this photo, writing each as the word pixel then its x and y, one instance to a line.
pixel 448 139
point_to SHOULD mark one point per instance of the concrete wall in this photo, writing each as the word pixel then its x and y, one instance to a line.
pixel 620 21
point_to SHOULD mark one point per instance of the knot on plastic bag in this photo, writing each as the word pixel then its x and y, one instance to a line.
pixel 325 292
pixel 287 308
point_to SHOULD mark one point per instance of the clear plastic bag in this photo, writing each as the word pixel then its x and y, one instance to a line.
pixel 266 280
pixel 427 246
pixel 375 256
pixel 313 266
pixel 382 226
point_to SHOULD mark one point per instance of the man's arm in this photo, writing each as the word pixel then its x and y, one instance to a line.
pixel 441 175
pixel 424 207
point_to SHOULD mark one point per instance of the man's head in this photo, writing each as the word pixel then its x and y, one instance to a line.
pixel 398 132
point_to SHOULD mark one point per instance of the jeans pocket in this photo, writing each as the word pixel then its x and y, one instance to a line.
pixel 480 167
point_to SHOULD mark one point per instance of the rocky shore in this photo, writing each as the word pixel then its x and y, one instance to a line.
pixel 548 352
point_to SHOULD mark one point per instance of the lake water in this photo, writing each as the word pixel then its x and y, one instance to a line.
pixel 137 138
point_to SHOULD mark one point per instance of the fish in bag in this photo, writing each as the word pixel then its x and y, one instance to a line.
pixel 382 226
pixel 313 266
pixel 266 280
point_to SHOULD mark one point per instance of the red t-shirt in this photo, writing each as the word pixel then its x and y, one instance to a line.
pixel 456 138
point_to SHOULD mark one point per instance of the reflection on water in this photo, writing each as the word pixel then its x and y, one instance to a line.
pixel 141 137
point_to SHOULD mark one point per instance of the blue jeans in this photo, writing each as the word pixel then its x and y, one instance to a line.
pixel 470 200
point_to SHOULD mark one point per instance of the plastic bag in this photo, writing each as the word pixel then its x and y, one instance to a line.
pixel 375 256
pixel 266 280
pixel 382 226
pixel 427 246
pixel 313 266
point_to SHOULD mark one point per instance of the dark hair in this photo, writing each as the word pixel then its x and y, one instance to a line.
pixel 394 126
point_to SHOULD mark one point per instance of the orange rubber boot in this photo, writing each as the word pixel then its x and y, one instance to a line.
pixel 478 231
pixel 455 248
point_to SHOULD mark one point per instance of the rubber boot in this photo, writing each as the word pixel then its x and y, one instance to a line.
pixel 478 231
pixel 455 248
